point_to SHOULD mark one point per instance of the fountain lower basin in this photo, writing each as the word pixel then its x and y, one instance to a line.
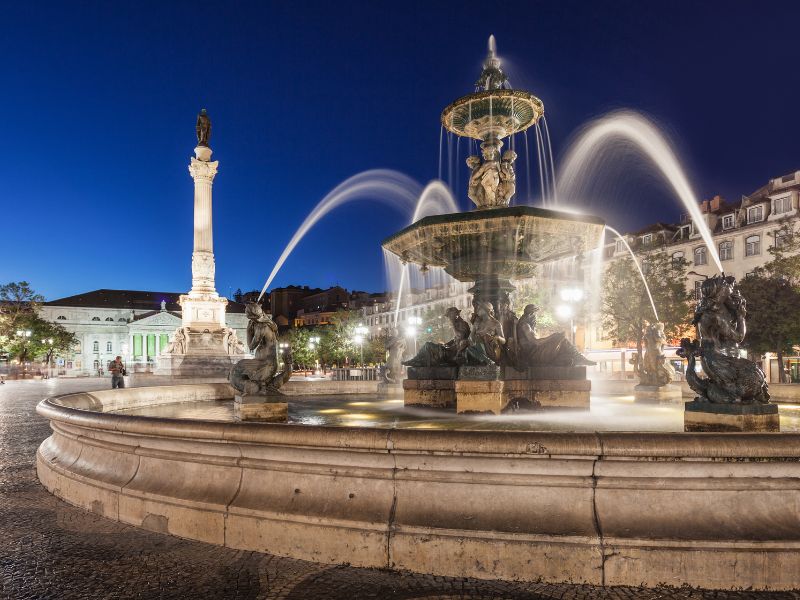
pixel 705 510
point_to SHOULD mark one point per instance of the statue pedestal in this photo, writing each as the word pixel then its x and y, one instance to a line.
pixel 260 408
pixel 205 355
pixel 494 389
pixel 707 416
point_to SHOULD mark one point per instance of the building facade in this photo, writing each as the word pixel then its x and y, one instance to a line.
pixel 137 325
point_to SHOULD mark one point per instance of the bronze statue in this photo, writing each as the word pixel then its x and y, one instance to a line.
pixel 654 369
pixel 720 322
pixel 203 128
pixel 487 339
pixel 395 348
pixel 260 375
pixel 553 350
pixel 452 353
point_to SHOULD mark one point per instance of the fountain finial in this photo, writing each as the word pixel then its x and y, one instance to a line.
pixel 492 76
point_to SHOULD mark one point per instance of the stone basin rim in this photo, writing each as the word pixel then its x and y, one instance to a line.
pixel 676 445
pixel 491 213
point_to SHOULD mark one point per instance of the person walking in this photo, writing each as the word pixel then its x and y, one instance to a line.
pixel 117 373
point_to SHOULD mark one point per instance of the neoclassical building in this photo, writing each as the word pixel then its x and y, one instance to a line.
pixel 136 325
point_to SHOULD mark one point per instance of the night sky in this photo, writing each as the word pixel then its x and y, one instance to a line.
pixel 99 101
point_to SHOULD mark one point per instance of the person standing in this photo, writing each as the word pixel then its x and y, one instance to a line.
pixel 117 373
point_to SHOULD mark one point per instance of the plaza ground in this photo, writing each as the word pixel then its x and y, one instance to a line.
pixel 49 549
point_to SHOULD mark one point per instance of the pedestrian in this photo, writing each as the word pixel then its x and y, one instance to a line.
pixel 118 373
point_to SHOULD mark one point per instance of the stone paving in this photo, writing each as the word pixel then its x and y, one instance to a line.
pixel 49 549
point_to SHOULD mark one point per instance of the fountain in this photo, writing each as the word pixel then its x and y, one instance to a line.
pixel 490 246
pixel 615 495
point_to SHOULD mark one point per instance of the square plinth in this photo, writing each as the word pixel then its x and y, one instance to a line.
pixel 437 393
pixel 497 397
pixel 261 408
pixel 707 416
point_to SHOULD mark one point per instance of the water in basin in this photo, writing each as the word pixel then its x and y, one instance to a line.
pixel 608 412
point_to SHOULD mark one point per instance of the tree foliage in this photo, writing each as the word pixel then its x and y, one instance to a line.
pixel 626 307
pixel 19 314
pixel 772 293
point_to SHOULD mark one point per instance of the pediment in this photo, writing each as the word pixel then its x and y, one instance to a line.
pixel 161 318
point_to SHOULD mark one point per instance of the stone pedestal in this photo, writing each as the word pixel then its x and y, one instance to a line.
pixel 261 408
pixel 495 389
pixel 707 416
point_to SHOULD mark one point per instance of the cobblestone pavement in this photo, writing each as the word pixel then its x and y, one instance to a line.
pixel 49 549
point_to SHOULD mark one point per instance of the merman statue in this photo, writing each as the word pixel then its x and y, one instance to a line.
pixel 452 353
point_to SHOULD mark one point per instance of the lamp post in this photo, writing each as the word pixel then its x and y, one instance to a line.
pixel 49 343
pixel 283 346
pixel 313 342
pixel 566 311
pixel 411 330
pixel 24 335
pixel 360 331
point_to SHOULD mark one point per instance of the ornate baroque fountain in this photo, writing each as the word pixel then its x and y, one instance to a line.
pixel 491 246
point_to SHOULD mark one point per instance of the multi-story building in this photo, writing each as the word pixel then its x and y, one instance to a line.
pixel 136 325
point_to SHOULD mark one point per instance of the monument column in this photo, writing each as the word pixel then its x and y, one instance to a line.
pixel 203 172
pixel 202 308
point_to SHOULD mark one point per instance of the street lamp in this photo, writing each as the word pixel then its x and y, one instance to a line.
pixel 411 330
pixel 24 335
pixel 313 342
pixel 360 331
pixel 565 311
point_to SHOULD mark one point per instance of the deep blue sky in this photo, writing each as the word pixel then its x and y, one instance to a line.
pixel 99 99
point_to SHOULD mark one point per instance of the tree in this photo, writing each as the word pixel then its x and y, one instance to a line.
pixel 626 306
pixel 773 319
pixel 773 299
pixel 17 300
pixel 300 340
pixel 19 315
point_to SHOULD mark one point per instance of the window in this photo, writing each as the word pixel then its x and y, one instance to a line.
pixel 700 256
pixel 96 347
pixel 677 257
pixel 782 205
pixel 749 274
pixel 61 318
pixel 755 214
pixel 77 347
pixel 752 245
pixel 122 320
pixel 647 239
pixel 698 286
pixel 781 239
pixel 726 251
pixel 95 318
pixel 727 222
pixel 645 267
pixel 109 319
pixel 108 346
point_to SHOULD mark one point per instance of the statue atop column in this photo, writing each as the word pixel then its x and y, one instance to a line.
pixel 203 128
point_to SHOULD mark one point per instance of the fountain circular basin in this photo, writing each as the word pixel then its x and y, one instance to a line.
pixel 607 508
pixel 502 242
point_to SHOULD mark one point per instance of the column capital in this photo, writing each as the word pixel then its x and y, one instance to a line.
pixel 203 170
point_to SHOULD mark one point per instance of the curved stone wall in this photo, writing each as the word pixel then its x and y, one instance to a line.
pixel 707 510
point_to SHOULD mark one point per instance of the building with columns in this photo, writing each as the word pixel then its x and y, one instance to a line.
pixel 137 325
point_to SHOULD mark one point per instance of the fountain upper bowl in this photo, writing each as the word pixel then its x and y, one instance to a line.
pixel 492 113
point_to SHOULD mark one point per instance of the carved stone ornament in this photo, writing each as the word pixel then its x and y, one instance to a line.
pixel 204 170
